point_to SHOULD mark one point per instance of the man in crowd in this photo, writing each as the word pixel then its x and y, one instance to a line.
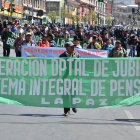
pixel 138 46
pixel 65 34
pixel 38 32
pixel 118 51
pixel 19 29
pixel 6 48
pixel 28 41
pixel 13 28
pixel 80 34
pixel 88 38
pixel 76 42
pixel 105 36
pixel 70 53
pixel 18 45
pixel 1 27
pixel 132 42
pixel 51 41
pixel 108 46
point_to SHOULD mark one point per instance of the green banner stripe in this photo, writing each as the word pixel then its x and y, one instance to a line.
pixel 8 101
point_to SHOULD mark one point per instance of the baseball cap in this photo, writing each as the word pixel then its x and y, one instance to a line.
pixel 69 44
pixel 118 41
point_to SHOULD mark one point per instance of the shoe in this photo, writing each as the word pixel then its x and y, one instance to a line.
pixel 67 113
pixel 74 110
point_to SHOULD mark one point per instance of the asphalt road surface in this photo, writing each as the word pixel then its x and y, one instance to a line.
pixel 34 123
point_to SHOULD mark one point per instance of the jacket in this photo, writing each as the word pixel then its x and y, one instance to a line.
pixel 73 55
pixel 44 44
pixel 4 36
pixel 118 53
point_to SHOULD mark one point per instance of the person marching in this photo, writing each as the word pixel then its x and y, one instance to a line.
pixel 118 51
pixel 70 53
pixel 18 45
pixel 28 40
pixel 6 49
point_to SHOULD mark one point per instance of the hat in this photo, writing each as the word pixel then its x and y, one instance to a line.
pixel 28 33
pixel 69 44
pixel 118 41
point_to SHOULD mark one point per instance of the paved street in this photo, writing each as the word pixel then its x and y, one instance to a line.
pixel 34 123
pixel 30 123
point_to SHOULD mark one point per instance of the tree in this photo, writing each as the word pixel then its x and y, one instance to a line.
pixel 52 15
pixel 64 15
pixel 90 17
pixel 94 16
pixel 109 20
pixel 77 19
pixel 85 18
pixel 73 18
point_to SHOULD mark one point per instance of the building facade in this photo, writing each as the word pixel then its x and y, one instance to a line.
pixel 78 11
pixel 91 11
pixel 57 6
pixel 31 8
pixel 109 7
pixel 124 15
pixel 71 11
pixel 101 11
pixel 85 10
pixel 18 6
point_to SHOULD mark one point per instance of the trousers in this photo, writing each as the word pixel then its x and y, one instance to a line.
pixel 6 51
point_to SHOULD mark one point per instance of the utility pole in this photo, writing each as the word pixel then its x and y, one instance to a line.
pixel 32 12
pixel 112 7
pixel 112 12
pixel 4 6
pixel 11 10
pixel 138 12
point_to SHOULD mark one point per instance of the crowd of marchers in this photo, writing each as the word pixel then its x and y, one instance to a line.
pixel 115 40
